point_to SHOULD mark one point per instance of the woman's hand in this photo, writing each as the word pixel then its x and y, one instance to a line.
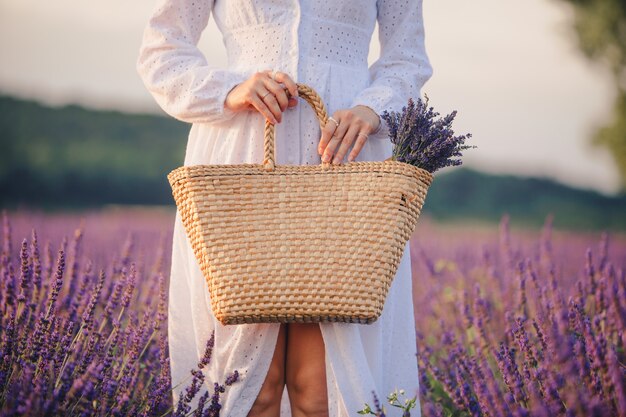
pixel 264 94
pixel 354 126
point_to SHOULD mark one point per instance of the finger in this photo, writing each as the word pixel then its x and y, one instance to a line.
pixel 262 108
pixel 347 141
pixel 271 102
pixel 279 94
pixel 327 133
pixel 329 152
pixel 288 90
pixel 339 133
pixel 293 101
pixel 358 145
pixel 289 83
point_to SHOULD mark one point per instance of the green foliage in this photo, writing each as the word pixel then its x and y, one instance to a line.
pixel 613 136
pixel 600 26
pixel 465 193
pixel 70 157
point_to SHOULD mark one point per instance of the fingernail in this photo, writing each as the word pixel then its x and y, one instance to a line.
pixel 350 159
pixel 325 158
pixel 336 161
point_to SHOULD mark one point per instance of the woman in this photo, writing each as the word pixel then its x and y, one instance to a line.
pixel 287 369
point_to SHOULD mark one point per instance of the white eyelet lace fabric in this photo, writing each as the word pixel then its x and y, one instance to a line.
pixel 325 45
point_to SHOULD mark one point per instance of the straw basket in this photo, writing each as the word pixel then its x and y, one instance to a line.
pixel 299 243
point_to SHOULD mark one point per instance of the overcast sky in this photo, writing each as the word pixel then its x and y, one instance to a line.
pixel 510 68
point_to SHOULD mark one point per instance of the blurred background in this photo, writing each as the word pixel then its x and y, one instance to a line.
pixel 539 84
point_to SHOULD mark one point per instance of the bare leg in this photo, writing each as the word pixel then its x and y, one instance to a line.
pixel 306 371
pixel 267 403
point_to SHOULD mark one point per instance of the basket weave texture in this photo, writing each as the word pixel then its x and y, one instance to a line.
pixel 299 243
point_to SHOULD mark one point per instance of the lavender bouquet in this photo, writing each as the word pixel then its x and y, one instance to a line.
pixel 423 140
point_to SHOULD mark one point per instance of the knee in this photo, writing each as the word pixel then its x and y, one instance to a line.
pixel 271 393
pixel 308 393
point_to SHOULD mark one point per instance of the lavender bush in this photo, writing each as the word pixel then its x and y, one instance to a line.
pixel 422 139
pixel 81 342
pixel 527 337
pixel 509 322
pixel 522 332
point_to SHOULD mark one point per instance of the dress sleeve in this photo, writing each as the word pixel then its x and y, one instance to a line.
pixel 403 66
pixel 176 72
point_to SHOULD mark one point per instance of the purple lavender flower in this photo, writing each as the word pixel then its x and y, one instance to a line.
pixel 71 358
pixel 421 139
pixel 71 341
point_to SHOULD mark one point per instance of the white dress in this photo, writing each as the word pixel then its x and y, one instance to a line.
pixel 325 45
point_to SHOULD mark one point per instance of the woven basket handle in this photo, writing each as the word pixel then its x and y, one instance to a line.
pixel 316 102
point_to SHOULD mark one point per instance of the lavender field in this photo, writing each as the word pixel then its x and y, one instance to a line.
pixel 510 322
